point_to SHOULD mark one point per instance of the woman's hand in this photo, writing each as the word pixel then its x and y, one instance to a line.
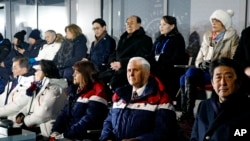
pixel 20 118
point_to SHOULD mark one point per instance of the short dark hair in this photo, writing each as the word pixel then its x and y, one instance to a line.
pixel 229 63
pixel 99 21
pixel 88 71
pixel 23 61
pixel 49 69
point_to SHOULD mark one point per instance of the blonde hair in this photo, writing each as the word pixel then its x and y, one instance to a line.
pixel 59 38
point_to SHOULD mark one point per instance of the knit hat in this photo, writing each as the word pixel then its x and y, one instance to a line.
pixel 20 35
pixel 35 34
pixel 225 17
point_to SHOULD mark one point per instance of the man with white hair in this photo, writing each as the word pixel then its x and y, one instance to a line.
pixel 141 110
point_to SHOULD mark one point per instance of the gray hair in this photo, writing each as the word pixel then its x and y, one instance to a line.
pixel 145 64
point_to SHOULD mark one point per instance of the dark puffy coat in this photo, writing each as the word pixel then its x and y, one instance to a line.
pixel 219 122
pixel 100 52
pixel 33 50
pixel 84 111
pixel 150 117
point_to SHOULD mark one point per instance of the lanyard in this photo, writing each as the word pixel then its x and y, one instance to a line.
pixel 163 48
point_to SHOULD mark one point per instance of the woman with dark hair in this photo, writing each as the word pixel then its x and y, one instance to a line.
pixel 86 108
pixel 48 94
pixel 168 50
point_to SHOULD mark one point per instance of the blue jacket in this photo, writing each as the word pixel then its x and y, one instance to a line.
pixel 100 52
pixel 83 111
pixel 150 117
pixel 219 122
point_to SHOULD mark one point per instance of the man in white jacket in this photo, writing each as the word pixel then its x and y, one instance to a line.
pixel 49 50
pixel 14 98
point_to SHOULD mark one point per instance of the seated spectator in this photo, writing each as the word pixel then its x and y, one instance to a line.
pixel 48 50
pixel 48 96
pixel 35 43
pixel 14 97
pixel 133 42
pixel 86 107
pixel 142 111
pixel 73 49
pixel 220 41
pixel 225 114
pixel 102 47
pixel 18 42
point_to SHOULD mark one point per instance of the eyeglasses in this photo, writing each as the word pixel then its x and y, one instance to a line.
pixel 96 28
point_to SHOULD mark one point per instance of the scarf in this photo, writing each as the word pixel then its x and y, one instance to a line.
pixel 97 39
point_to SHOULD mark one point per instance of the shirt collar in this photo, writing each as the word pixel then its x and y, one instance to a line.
pixel 140 90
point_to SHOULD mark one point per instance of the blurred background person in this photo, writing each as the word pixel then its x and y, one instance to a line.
pixel 35 43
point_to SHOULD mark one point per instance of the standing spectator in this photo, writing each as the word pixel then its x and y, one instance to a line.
pixel 14 97
pixel 48 96
pixel 142 111
pixel 221 41
pixel 133 42
pixel 220 117
pixel 73 49
pixel 49 50
pixel 86 107
pixel 102 47
pixel 35 43
pixel 168 50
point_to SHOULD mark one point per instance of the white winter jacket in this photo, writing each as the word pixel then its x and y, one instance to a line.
pixel 48 51
pixel 224 48
pixel 44 106
pixel 17 98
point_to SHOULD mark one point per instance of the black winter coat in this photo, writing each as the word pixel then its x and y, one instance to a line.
pixel 138 44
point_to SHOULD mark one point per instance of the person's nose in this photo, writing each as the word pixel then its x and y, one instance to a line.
pixel 223 81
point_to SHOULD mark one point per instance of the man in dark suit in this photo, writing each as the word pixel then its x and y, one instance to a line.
pixel 133 42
